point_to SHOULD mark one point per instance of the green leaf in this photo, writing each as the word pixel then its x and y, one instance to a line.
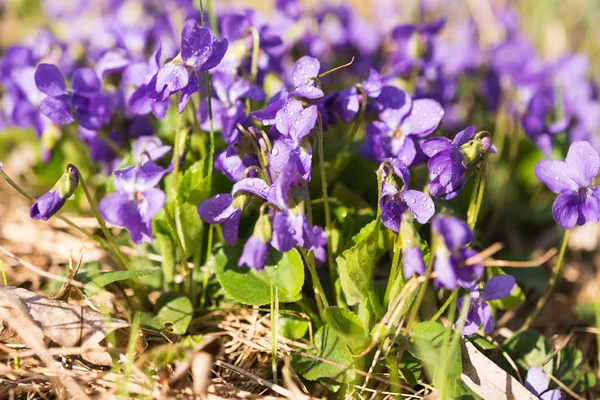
pixel 349 327
pixel 570 370
pixel 189 226
pixel 290 327
pixel 174 314
pixel 481 343
pixel 248 286
pixel 529 349
pixel 432 346
pixel 410 368
pixel 356 263
pixel 194 186
pixel 330 347
pixel 102 279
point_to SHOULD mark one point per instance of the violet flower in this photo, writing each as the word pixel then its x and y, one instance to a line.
pixel 480 313
pixel 136 200
pixel 51 202
pixel 450 160
pixel 579 201
pixel 200 51
pixel 536 382
pixel 228 108
pixel 304 77
pixel 450 236
pixel 91 106
pixel 395 202
pixel 404 123
pixel 149 148
pixel 256 249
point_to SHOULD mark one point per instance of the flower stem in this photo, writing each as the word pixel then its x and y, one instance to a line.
pixel 208 252
pixel 332 274
pixel 66 220
pixel 394 269
pixel 445 306
pixel 274 317
pixel 109 236
pixel 171 222
pixel 553 279
pixel 176 153
pixel 320 297
pixel 255 53
pixel 477 195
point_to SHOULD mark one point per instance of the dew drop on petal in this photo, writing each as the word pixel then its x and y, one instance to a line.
pixel 556 178
pixel 251 183
pixel 413 201
pixel 274 151
pixel 428 206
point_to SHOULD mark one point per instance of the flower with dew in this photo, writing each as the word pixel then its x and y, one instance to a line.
pixel 395 201
pixel 136 200
pixel 450 161
pixel 51 202
pixel 578 200
pixel 480 313
pixel 536 382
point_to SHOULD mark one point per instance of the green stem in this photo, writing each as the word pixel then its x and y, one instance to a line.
pixel 394 269
pixel 553 279
pixel 255 54
pixel 320 297
pixel 171 222
pixel 206 274
pixel 176 153
pixel 4 277
pixel 445 306
pixel 274 317
pixel 332 270
pixel 477 195
pixel 109 236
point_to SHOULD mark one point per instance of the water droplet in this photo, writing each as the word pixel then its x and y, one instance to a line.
pixel 435 152
pixel 217 196
pixel 251 183
pixel 412 201
pixel 293 232
pixel 556 178
pixel 428 206
pixel 275 151
pixel 409 241
pixel 424 199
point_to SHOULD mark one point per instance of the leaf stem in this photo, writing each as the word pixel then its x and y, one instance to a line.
pixel 394 269
pixel 320 297
pixel 171 222
pixel 477 195
pixel 445 306
pixel 330 260
pixel 553 279
pixel 255 53
pixel 207 272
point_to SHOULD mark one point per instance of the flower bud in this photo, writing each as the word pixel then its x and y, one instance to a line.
pixel 51 202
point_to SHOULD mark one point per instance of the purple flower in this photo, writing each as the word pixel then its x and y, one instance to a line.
pixel 536 382
pixel 256 249
pixel 415 46
pixel 51 202
pixel 304 75
pixel 450 160
pixel 226 209
pixel 149 148
pixel 91 106
pixel 450 236
pixel 136 200
pixel 579 201
pixel 228 108
pixel 480 313
pixel 404 123
pixel 200 51
pixel 395 202
pixel 135 86
pixel 412 256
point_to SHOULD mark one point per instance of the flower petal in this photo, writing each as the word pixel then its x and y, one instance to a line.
pixel 231 227
pixel 254 186
pixel 50 80
pixel 536 381
pixel 554 174
pixel 306 68
pixel 308 91
pixel 420 204
pixel 47 205
pixel 412 262
pixel 219 48
pixel 445 274
pixel 255 254
pixel 287 231
pixel 552 395
pixel 85 80
pixel 424 117
pixel 464 136
pixel 216 209
pixel 433 146
pixel 498 287
pixel 57 109
pixel 583 163
pixel 570 209
pixel 485 313
pixel 196 46
pixel 456 233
